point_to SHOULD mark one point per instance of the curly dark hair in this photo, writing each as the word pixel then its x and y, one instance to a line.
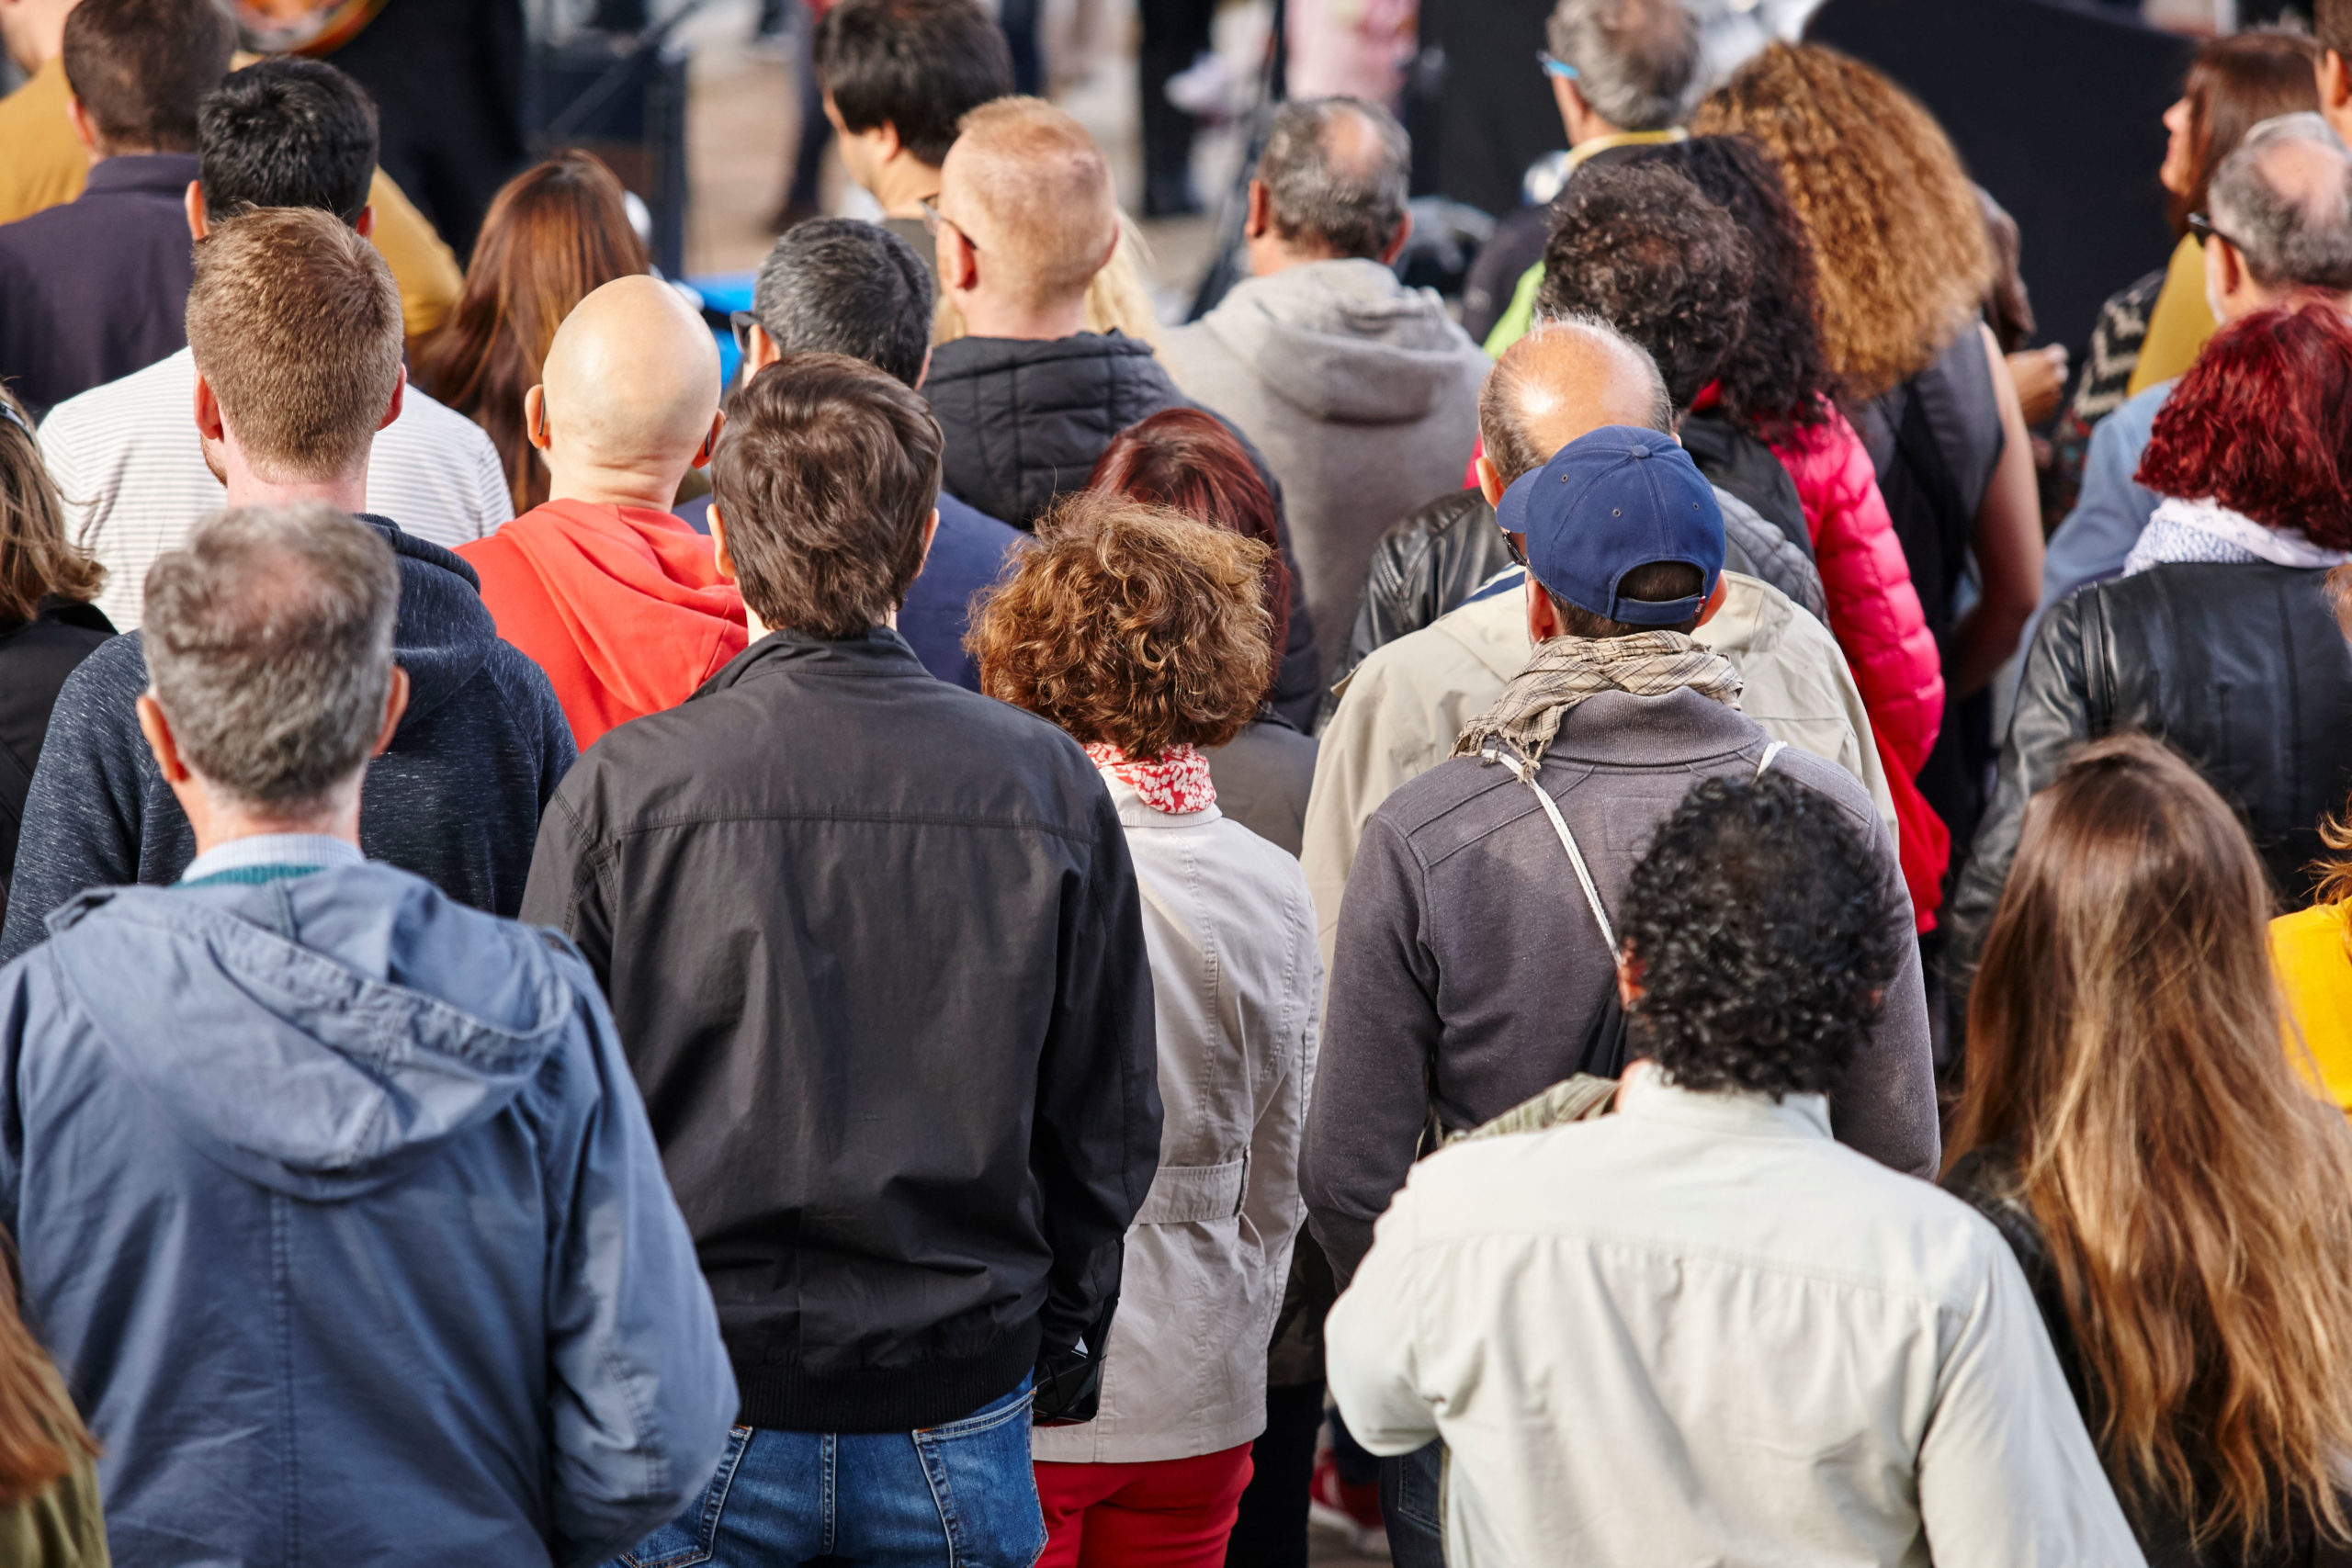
pixel 1777 379
pixel 1762 925
pixel 1130 625
pixel 1638 246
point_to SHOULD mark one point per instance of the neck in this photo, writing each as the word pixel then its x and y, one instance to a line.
pixel 1269 255
pixel 225 823
pixel 38 38
pixel 984 317
pixel 347 492
pixel 903 185
pixel 615 487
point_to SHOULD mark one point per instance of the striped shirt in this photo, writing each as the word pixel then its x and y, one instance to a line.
pixel 128 460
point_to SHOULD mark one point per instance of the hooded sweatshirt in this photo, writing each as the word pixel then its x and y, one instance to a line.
pixel 623 607
pixel 456 799
pixel 1361 393
pixel 343 1221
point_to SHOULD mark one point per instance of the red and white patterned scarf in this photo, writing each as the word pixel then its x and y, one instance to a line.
pixel 1174 785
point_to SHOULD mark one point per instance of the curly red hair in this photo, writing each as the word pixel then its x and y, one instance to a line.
pixel 2257 424
pixel 1130 625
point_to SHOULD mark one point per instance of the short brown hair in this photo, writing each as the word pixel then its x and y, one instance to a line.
pixel 141 67
pixel 295 322
pixel 825 477
pixel 1131 625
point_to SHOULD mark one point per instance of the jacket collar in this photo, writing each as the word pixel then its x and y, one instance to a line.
pixel 164 173
pixel 1649 1096
pixel 880 652
pixel 995 356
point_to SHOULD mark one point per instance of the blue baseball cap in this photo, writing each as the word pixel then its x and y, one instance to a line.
pixel 1609 502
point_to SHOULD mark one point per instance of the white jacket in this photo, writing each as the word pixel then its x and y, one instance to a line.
pixel 1401 708
pixel 1700 1331
pixel 1236 987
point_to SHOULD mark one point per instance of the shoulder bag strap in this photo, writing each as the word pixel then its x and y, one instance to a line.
pixel 1770 751
pixel 1525 773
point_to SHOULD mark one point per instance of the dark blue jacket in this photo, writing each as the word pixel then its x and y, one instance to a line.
pixel 967 555
pixel 342 1219
pixel 457 798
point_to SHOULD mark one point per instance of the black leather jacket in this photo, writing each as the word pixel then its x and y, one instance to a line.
pixel 1434 558
pixel 2241 669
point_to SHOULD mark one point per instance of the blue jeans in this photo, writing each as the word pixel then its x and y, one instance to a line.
pixel 962 1495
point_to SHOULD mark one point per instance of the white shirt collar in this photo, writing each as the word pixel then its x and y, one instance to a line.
pixel 1649 1094
pixel 274 848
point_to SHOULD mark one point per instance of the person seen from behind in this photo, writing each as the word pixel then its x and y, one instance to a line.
pixel 601 586
pixel 2221 637
pixel 295 327
pixel 2180 1199
pixel 1626 1329
pixel 1185 460
pixel 554 234
pixel 876 948
pixel 1144 634
pixel 238 1114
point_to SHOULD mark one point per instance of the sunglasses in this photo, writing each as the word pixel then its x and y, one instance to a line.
pixel 933 218
pixel 742 322
pixel 1554 66
pixel 8 411
pixel 2202 227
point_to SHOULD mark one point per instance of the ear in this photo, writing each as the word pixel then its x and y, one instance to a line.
pixel 1490 483
pixel 364 224
pixel 1543 615
pixel 959 265
pixel 84 132
pixel 924 374
pixel 209 425
pixel 930 533
pixel 763 353
pixel 709 441
pixel 1259 219
pixel 725 562
pixel 885 138
pixel 157 728
pixel 1397 241
pixel 1714 600
pixel 395 705
pixel 1629 979
pixel 400 396
pixel 198 225
pixel 535 417
pixel 2334 80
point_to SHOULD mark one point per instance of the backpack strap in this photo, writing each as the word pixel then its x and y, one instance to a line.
pixel 1525 773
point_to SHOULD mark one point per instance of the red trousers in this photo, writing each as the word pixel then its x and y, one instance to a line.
pixel 1172 1512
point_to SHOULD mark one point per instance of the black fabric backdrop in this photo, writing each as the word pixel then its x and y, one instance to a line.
pixel 1492 113
pixel 2056 108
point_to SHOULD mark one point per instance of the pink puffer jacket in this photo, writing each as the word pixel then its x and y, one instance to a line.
pixel 1874 614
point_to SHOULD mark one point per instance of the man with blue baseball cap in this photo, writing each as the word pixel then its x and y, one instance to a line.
pixel 1471 967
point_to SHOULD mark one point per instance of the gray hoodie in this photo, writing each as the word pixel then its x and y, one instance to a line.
pixel 1361 393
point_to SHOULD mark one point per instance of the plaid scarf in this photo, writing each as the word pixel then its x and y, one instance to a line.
pixel 1568 670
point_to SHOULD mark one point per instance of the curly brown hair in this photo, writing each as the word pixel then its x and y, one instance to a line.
pixel 1132 626
pixel 1898 233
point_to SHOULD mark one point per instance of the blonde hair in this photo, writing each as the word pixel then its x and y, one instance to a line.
pixel 1117 298
pixel 2195 1196
pixel 1897 227
pixel 1038 193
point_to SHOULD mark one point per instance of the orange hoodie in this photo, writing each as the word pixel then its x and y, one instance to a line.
pixel 623 607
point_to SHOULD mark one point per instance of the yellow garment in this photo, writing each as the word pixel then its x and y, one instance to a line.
pixel 2311 951
pixel 42 164
pixel 2182 322
pixel 1591 145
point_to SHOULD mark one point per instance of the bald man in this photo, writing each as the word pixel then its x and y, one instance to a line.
pixel 1400 710
pixel 620 602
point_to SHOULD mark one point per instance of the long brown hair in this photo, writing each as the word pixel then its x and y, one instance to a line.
pixel 1897 232
pixel 2234 85
pixel 37 560
pixel 555 234
pixel 41 1435
pixel 2123 1039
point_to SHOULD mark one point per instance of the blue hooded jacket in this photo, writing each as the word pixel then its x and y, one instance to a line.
pixel 341 1215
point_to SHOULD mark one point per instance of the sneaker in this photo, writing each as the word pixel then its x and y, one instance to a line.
pixel 1350 1512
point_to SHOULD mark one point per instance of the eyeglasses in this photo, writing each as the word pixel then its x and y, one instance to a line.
pixel 743 322
pixel 1554 66
pixel 8 411
pixel 933 218
pixel 2202 227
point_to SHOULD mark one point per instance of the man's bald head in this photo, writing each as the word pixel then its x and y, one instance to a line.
pixel 631 382
pixel 2283 200
pixel 1338 175
pixel 1030 189
pixel 1564 379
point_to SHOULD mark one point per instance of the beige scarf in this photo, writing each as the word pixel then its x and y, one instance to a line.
pixel 1568 670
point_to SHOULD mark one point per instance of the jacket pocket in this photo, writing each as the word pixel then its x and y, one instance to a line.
pixel 691 1537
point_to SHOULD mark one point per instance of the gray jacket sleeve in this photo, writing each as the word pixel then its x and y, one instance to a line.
pixel 641 1392
pixel 83 813
pixel 1886 1108
pixel 1363 1126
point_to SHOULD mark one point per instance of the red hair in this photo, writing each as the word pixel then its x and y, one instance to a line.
pixel 1186 459
pixel 2257 424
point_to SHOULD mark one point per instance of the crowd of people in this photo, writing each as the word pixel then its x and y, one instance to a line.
pixel 1615 922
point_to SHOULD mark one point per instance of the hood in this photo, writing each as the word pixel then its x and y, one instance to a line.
pixel 445 633
pixel 314 1035
pixel 1347 343
pixel 638 593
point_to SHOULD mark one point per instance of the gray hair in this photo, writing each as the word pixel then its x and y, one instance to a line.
pixel 2292 231
pixel 269 647
pixel 1348 203
pixel 837 286
pixel 1502 401
pixel 1637 62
